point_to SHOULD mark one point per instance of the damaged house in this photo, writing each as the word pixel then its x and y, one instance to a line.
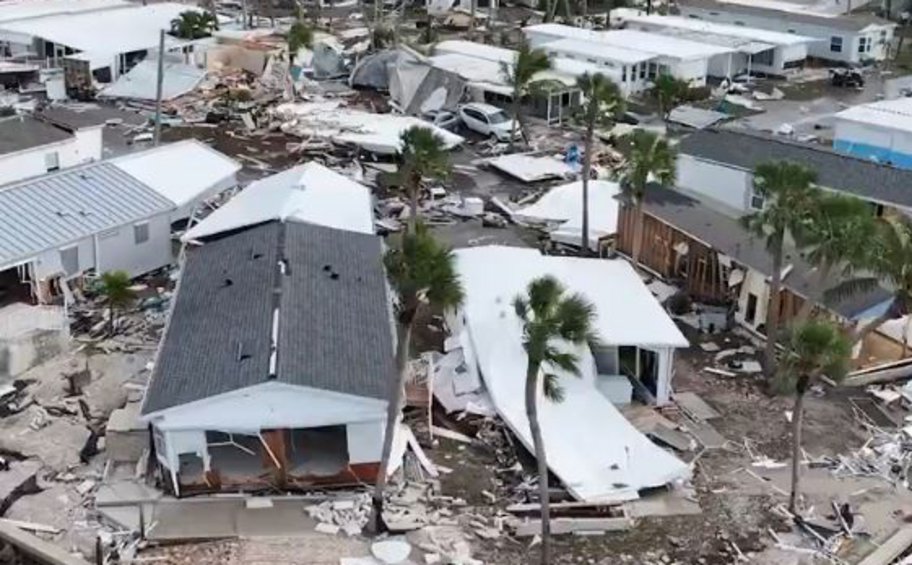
pixel 274 367
pixel 592 448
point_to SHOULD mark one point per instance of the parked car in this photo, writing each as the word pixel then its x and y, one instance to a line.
pixel 441 118
pixel 487 120
pixel 851 78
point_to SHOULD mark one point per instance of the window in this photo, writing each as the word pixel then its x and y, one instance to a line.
pixel 51 161
pixel 140 233
pixel 864 44
pixel 69 260
pixel 750 313
pixel 756 199
pixel 836 44
pixel 642 71
pixel 624 73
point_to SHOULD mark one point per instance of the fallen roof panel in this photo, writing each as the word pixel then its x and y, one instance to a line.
pixel 529 168
pixel 140 82
pixel 564 204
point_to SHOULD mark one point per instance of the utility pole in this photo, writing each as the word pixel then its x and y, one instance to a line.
pixel 158 88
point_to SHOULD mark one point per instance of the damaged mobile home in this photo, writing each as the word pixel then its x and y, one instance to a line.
pixel 259 382
pixel 638 341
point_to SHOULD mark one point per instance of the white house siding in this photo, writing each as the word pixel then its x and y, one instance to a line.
pixel 48 263
pixel 874 141
pixel 365 441
pixel 33 162
pixel 693 71
pixel 118 250
pixel 721 183
pixel 879 35
pixel 631 73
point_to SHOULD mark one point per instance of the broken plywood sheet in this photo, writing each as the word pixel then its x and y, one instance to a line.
pixel 691 403
pixel 706 434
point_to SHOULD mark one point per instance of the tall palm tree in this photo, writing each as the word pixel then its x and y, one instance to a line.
pixel 551 318
pixel 422 154
pixel 815 348
pixel 790 199
pixel 649 156
pixel 832 241
pixel 520 76
pixel 603 101
pixel 891 263
pixel 115 287
pixel 668 92
pixel 422 273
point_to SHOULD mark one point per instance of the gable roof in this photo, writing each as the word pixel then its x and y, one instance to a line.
pixel 334 333
pixel 726 235
pixel 308 193
pixel 848 22
pixel 18 133
pixel 61 208
pixel 863 178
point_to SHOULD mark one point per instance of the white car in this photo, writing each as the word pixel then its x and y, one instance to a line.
pixel 487 120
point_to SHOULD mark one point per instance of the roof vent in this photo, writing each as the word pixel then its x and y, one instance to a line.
pixel 241 354
pixel 255 254
pixel 227 282
pixel 327 268
pixel 334 276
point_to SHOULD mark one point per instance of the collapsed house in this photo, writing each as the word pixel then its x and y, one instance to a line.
pixel 274 367
pixel 635 352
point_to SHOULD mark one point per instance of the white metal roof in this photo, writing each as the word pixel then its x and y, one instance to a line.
pixel 481 72
pixel 597 50
pixel 109 31
pixel 12 10
pixel 307 193
pixel 703 26
pixel 477 50
pixel 564 205
pixel 61 208
pixel 594 465
pixel 893 114
pixel 529 168
pixel 140 83
pixel 664 45
pixel 181 172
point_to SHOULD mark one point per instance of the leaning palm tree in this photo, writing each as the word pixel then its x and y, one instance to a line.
pixel 648 156
pixel 832 242
pixel 891 263
pixel 115 287
pixel 603 101
pixel 815 348
pixel 790 199
pixel 551 319
pixel 422 154
pixel 422 273
pixel 520 76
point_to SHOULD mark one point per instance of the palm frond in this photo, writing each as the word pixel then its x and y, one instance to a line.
pixel 552 389
pixel 817 347
pixel 564 360
pixel 848 288
pixel 544 294
pixel 575 317
pixel 421 265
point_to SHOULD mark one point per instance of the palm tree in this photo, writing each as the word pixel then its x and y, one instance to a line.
pixel 649 156
pixel 550 319
pixel 668 92
pixel 815 348
pixel 115 287
pixel 832 241
pixel 602 101
pixel 520 75
pixel 790 199
pixel 422 154
pixel 299 35
pixel 422 273
pixel 194 25
pixel 891 263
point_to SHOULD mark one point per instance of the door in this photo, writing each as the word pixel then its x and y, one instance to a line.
pixel 750 313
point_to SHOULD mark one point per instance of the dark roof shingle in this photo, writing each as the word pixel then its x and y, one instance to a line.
pixel 334 332
pixel 726 235
pixel 861 177
pixel 18 133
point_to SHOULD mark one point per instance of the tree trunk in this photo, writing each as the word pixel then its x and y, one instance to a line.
pixel 864 330
pixel 112 314
pixel 587 171
pixel 648 7
pixel 772 311
pixel 474 7
pixel 552 10
pixel 567 14
pixel 517 95
pixel 797 417
pixel 539 444
pixel 392 419
pixel 584 8
pixel 823 275
pixel 637 232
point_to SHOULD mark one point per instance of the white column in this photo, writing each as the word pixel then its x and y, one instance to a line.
pixel 664 372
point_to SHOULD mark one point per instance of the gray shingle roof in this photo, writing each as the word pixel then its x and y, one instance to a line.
pixel 861 177
pixel 727 235
pixel 335 333
pixel 61 208
pixel 18 133
pixel 850 22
